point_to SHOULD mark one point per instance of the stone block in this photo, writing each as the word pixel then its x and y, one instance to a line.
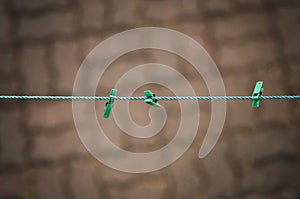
pixel 11 139
pixel 53 147
pixel 156 10
pixel 247 55
pixel 215 6
pixel 6 62
pixel 92 14
pixel 47 25
pixel 83 181
pixel 34 71
pixel 13 185
pixel 36 4
pixel 220 172
pixel 235 27
pixel 49 183
pixel 4 24
pixel 288 25
pixel 124 12
pixel 47 115
pixel 66 63
pixel 261 144
pixel 150 189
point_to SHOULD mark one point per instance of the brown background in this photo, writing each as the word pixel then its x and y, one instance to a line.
pixel 43 42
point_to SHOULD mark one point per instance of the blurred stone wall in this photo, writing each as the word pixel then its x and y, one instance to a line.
pixel 43 42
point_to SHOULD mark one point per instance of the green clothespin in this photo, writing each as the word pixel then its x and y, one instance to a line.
pixel 110 103
pixel 150 98
pixel 256 95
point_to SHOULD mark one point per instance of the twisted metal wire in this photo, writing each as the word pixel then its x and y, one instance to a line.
pixel 45 97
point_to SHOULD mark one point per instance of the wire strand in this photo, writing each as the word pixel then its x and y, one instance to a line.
pixel 49 97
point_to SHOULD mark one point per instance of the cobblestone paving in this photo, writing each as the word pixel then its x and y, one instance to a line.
pixel 43 42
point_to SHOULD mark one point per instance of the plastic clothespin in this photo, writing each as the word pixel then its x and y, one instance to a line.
pixel 256 95
pixel 150 98
pixel 110 103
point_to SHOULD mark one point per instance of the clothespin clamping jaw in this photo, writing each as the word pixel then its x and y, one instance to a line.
pixel 150 98
pixel 110 103
pixel 256 95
